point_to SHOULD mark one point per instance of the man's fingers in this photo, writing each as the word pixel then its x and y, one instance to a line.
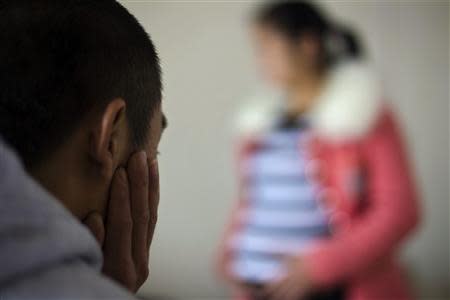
pixel 139 188
pixel 119 223
pixel 94 222
pixel 131 219
pixel 153 199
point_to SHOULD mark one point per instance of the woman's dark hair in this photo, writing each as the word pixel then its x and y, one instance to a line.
pixel 296 18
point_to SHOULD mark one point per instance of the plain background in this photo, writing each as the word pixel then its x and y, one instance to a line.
pixel 208 69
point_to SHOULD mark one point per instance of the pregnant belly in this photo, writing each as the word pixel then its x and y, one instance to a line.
pixel 259 257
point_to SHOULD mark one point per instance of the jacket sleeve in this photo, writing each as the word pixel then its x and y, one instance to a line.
pixel 391 214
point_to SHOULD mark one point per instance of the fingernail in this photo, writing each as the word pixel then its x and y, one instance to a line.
pixel 154 167
pixel 121 173
pixel 142 155
pixel 154 162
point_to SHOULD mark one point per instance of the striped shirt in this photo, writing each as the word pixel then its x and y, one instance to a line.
pixel 283 215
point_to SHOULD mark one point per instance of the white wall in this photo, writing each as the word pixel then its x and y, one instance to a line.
pixel 208 67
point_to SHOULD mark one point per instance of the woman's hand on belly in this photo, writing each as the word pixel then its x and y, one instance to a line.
pixel 293 285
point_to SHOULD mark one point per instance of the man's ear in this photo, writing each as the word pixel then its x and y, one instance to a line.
pixel 109 132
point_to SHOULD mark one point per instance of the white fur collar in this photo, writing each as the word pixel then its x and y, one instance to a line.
pixel 347 108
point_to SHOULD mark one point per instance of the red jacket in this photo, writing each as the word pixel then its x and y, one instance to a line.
pixel 368 187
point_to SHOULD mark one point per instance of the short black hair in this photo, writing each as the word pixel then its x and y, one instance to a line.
pixel 62 59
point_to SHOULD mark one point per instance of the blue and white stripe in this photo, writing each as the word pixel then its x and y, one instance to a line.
pixel 283 216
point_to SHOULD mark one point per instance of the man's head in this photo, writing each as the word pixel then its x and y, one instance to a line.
pixel 80 90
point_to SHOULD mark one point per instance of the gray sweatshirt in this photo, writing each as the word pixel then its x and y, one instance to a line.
pixel 45 253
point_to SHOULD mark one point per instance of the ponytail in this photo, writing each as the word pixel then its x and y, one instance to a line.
pixel 353 46
pixel 342 43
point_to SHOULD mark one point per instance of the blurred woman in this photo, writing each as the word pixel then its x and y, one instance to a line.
pixel 326 195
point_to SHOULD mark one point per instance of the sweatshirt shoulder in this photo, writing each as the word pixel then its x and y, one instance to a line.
pixel 67 280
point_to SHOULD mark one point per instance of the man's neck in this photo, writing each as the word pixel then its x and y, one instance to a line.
pixel 63 177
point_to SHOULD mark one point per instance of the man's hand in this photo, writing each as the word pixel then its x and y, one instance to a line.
pixel 293 286
pixel 130 222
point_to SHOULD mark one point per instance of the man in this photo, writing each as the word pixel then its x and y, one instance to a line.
pixel 80 104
